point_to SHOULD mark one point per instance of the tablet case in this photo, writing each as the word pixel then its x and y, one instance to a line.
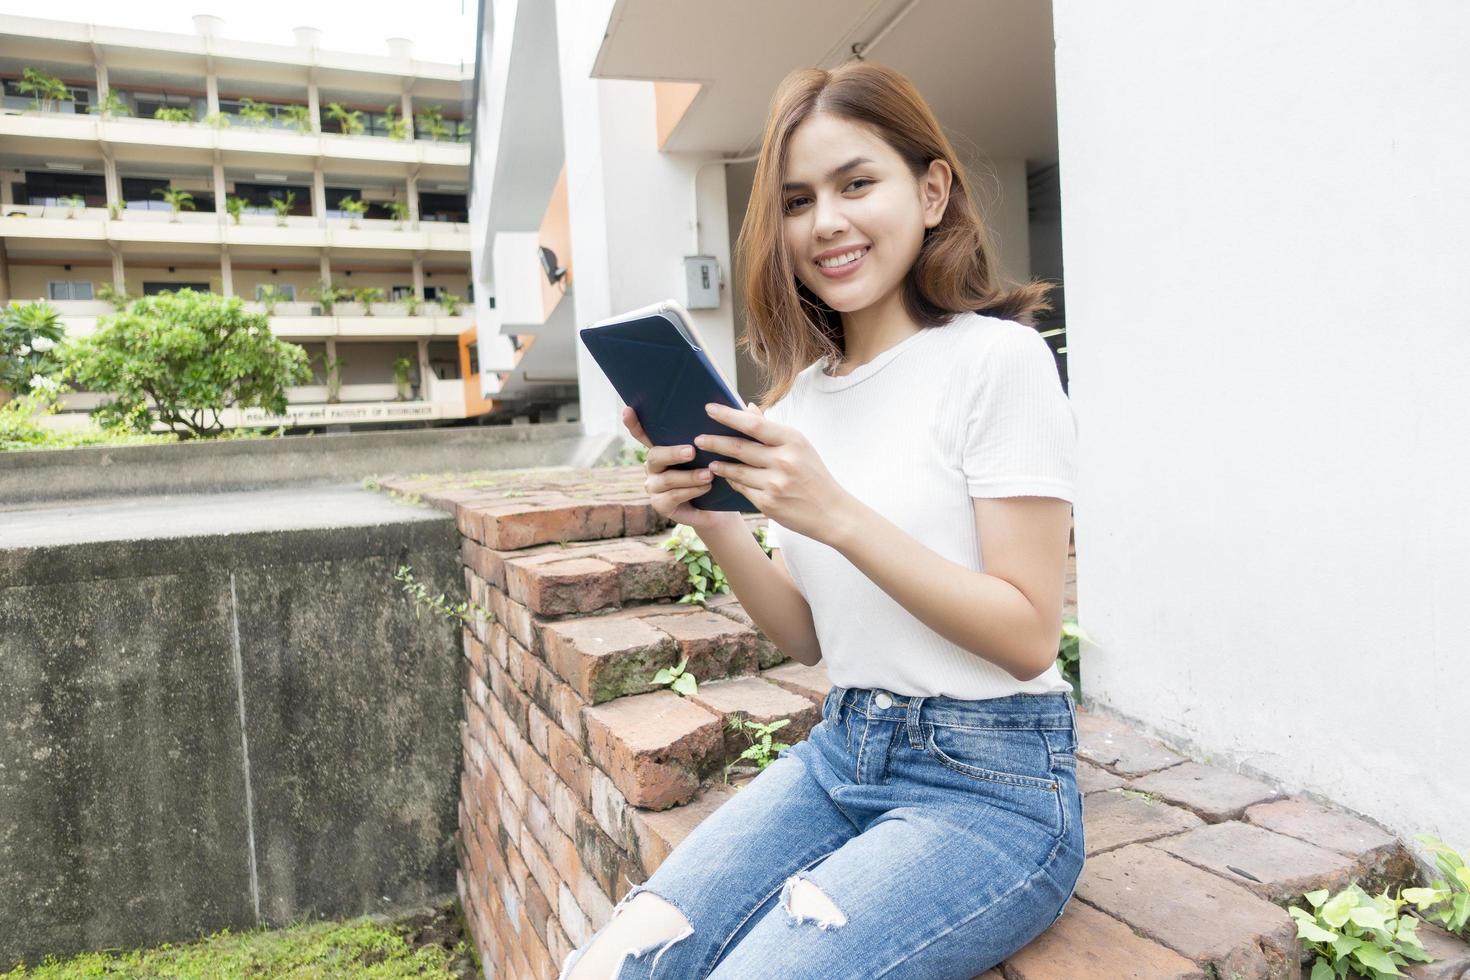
pixel 657 363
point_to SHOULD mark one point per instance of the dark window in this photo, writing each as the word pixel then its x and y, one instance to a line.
pixel 474 358
pixel 48 188
pixel 444 359
pixel 444 207
pixel 145 104
pixel 154 288
pixel 260 196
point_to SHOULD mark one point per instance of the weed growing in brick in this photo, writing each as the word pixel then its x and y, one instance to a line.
pixel 677 678
pixel 705 577
pixel 762 750
pixel 461 612
pixel 1447 900
pixel 1069 655
pixel 1357 934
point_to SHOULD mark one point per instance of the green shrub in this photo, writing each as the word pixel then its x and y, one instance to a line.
pixel 192 355
pixel 29 333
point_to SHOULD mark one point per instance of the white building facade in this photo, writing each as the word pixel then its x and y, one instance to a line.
pixel 1270 558
pixel 308 170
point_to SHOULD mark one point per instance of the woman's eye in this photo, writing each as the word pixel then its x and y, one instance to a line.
pixel 791 204
pixel 858 180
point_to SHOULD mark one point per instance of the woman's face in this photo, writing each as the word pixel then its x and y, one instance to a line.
pixel 854 215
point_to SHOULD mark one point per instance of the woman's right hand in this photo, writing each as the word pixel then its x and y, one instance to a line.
pixel 670 490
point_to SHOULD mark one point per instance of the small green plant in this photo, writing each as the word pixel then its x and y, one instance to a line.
pixel 632 455
pixel 460 612
pixel 255 113
pixel 115 210
pixel 367 296
pixel 326 295
pixel 411 303
pixel 298 116
pixel 72 203
pixel 431 121
pixel 268 296
pixel 1069 660
pixel 354 208
pixel 235 207
pixel 1353 933
pixel 679 680
pixel 283 206
pixel 111 105
pixel 1447 900
pixel 349 119
pixel 110 294
pixel 398 128
pixel 449 303
pixel 46 90
pixel 762 750
pixel 398 210
pixel 29 333
pixel 402 372
pixel 332 367
pixel 173 114
pixel 217 120
pixel 178 199
pixel 705 577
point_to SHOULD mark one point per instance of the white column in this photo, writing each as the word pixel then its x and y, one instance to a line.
pixel 412 191
pixel 314 102
pixel 226 271
pixel 211 88
pixel 319 194
pixel 219 190
pixel 102 86
pixel 627 256
pixel 110 182
pixel 326 268
pixel 418 276
pixel 406 104
pixel 119 275
pixel 423 369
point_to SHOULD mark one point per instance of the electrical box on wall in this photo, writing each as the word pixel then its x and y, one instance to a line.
pixel 701 282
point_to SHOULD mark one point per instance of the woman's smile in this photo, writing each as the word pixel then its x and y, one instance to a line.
pixel 843 265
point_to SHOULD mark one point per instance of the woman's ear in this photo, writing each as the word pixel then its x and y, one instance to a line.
pixel 934 189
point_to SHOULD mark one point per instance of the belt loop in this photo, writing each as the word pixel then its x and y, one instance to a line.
pixel 916 737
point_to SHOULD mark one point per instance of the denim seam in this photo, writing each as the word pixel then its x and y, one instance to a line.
pixel 993 775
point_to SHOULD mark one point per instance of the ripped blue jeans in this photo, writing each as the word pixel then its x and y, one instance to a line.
pixel 907 837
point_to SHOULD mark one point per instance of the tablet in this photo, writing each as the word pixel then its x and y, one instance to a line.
pixel 656 361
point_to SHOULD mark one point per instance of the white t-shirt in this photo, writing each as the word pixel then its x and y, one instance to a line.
pixel 973 408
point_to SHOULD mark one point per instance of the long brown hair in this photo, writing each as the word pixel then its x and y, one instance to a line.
pixel 787 325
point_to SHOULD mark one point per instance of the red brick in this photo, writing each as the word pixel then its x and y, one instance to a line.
pixel 810 682
pixel 1085 944
pixel 713 645
pixel 1451 955
pixel 555 585
pixel 1115 746
pixel 655 747
pixel 511 525
pixel 1381 855
pixel 645 572
pixel 767 653
pixel 1272 865
pixel 1199 915
pixel 569 762
pixel 606 657
pixel 656 834
pixel 760 701
pixel 537 908
pixel 1116 817
pixel 1213 793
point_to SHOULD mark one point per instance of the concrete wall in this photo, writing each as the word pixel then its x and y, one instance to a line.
pixel 224 730
pixel 1263 210
pixel 49 475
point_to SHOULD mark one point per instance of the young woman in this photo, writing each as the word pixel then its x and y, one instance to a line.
pixel 915 457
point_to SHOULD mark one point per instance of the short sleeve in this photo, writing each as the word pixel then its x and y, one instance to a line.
pixel 1020 432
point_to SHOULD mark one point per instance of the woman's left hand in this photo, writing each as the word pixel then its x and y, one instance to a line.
pixel 780 472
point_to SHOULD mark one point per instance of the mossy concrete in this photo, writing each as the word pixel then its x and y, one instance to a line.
pixel 224 728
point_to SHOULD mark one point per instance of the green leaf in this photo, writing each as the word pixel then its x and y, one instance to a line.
pixel 664 676
pixel 1367 917
pixel 1322 971
pixel 686 685
pixel 1335 912
pixel 1317 897
pixel 1376 959
pixel 1307 928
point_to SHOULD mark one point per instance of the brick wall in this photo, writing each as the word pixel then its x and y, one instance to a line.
pixel 580 775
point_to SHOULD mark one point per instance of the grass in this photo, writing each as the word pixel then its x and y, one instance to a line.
pixel 361 947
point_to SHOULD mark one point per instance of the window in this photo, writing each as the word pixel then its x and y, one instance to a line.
pixel 474 350
pixel 259 196
pixel 69 289
pixel 443 207
pixel 284 292
pixel 154 288
pixel 48 188
pixel 398 293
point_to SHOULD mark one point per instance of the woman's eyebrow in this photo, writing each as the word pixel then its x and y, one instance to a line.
pixel 855 161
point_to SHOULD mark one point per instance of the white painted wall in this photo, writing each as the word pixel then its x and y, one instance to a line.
pixel 1264 220
pixel 631 207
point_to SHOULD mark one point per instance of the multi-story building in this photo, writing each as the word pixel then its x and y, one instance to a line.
pixel 307 170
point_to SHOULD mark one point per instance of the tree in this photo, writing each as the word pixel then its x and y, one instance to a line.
pixel 177 198
pixel 29 333
pixel 46 89
pixel 349 119
pixel 192 355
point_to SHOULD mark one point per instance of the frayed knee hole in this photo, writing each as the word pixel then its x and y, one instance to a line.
pixel 806 902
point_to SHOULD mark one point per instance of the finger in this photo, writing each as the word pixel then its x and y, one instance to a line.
pixel 757 426
pixel 747 450
pixel 680 479
pixel 665 456
pixel 680 496
pixel 634 427
pixel 749 476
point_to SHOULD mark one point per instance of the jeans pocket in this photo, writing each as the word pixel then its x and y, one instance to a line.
pixel 1016 756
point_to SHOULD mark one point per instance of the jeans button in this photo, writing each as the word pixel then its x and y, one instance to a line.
pixel 882 700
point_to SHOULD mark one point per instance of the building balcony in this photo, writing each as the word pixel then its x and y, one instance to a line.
pixel 36 221
pixel 149 134
pixel 296 321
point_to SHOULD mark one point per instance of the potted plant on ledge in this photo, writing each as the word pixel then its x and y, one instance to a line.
pixel 402 375
pixel 283 206
pixel 367 296
pixel 355 209
pixel 178 200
